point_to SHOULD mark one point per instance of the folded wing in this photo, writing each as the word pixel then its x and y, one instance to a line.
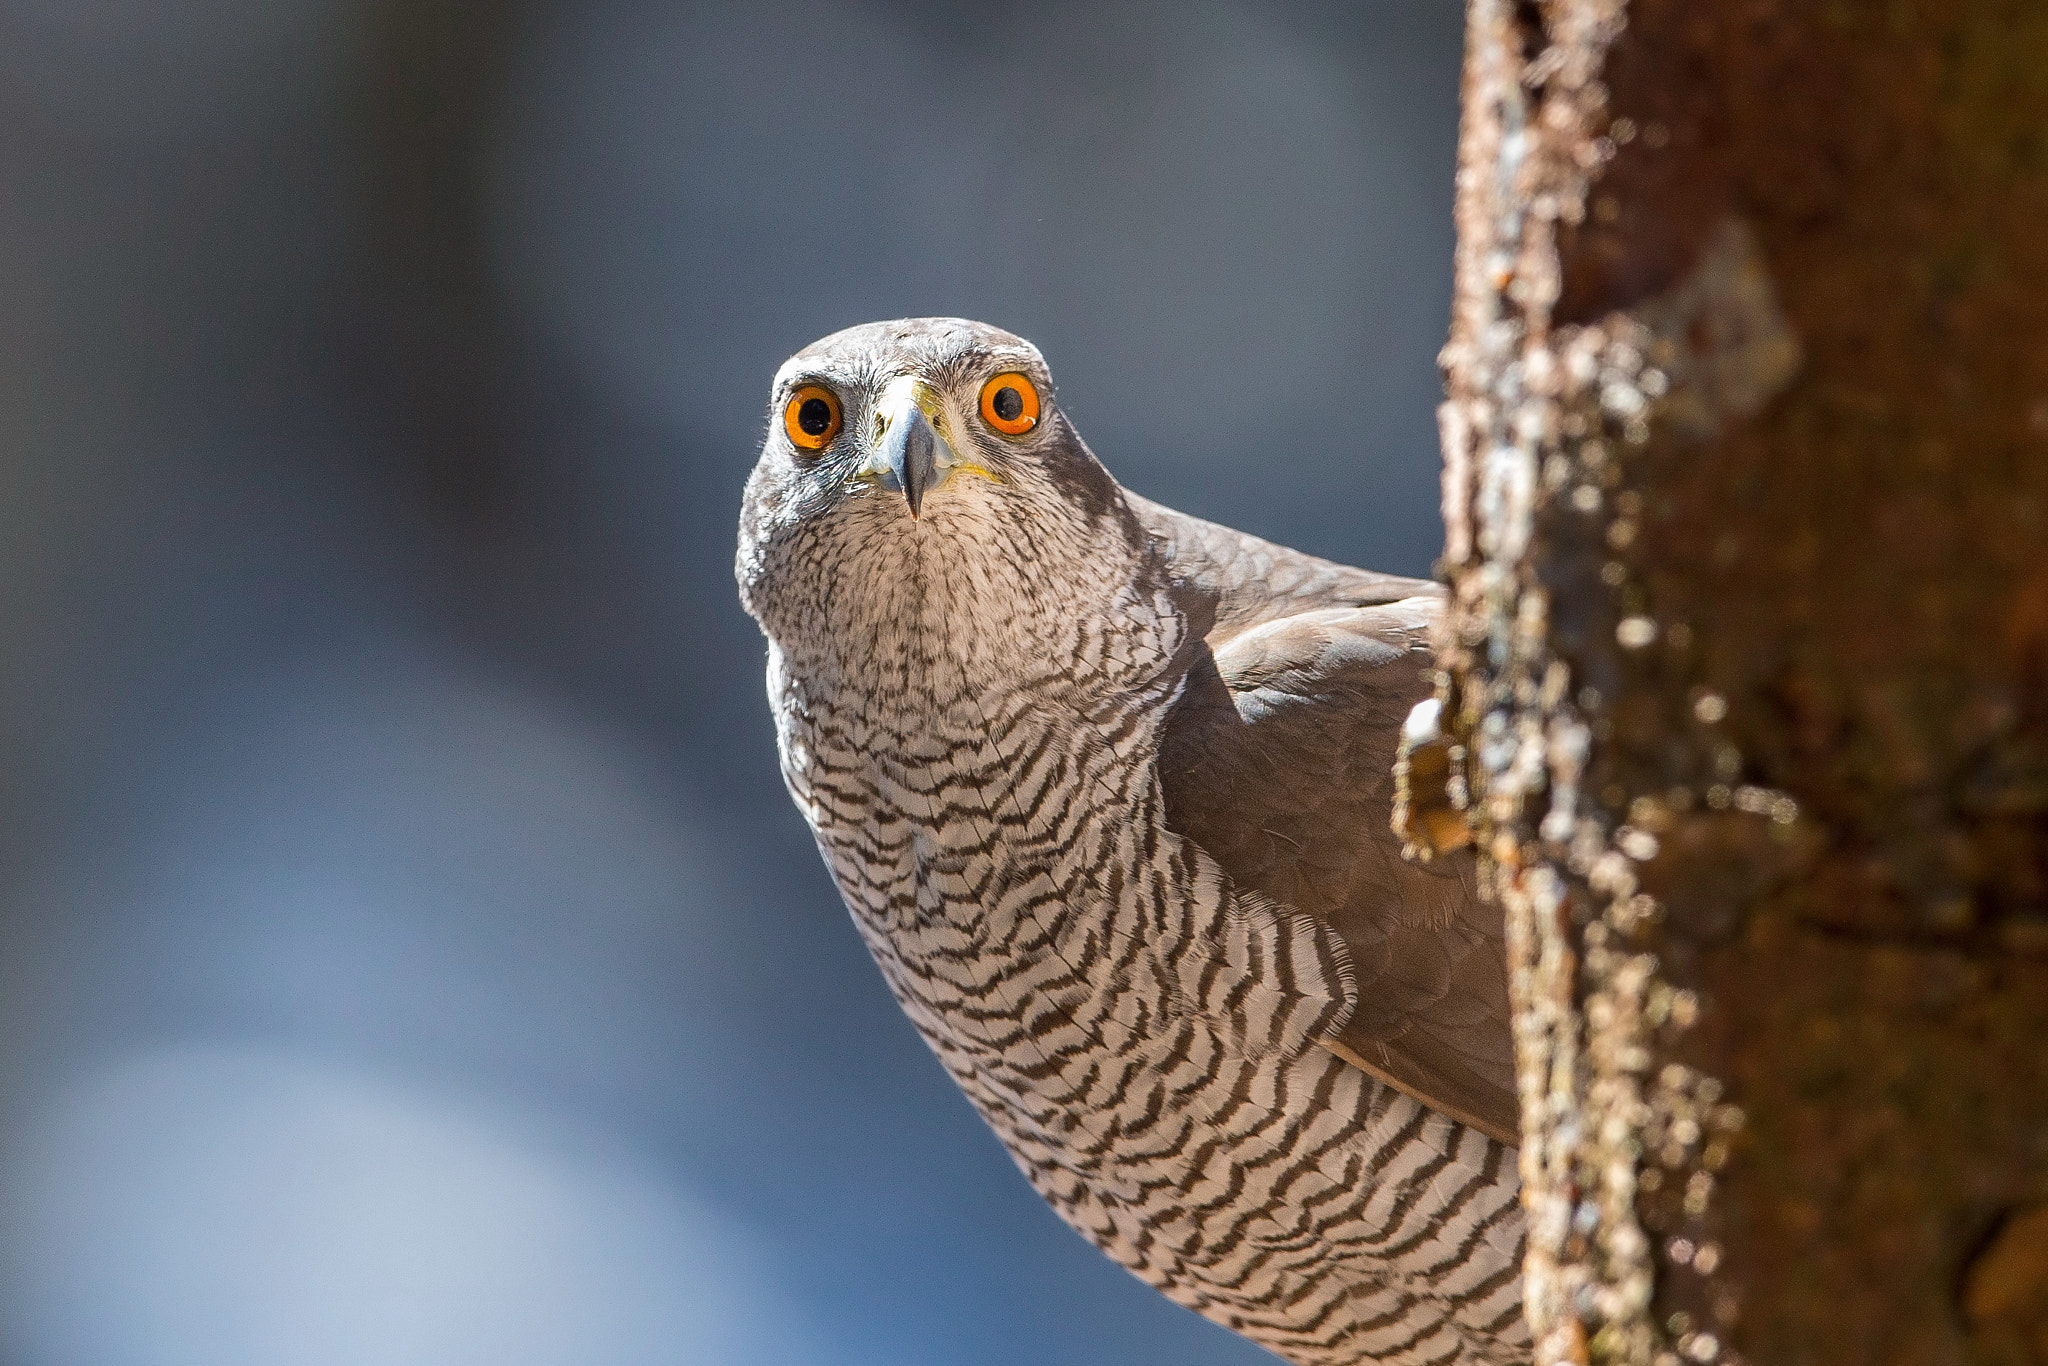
pixel 1277 760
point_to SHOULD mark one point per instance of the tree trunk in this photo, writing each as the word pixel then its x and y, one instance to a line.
pixel 1746 498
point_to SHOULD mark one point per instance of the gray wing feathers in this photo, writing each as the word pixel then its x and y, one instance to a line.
pixel 1277 760
pixel 1256 580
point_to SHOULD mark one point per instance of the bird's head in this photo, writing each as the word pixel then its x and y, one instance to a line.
pixel 919 474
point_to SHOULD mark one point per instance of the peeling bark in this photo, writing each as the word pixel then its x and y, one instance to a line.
pixel 1746 682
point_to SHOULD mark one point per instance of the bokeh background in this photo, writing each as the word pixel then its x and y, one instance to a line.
pixel 407 952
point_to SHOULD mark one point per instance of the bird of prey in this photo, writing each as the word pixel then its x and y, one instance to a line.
pixel 1105 788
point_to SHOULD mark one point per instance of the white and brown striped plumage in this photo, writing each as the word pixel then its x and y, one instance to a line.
pixel 1105 790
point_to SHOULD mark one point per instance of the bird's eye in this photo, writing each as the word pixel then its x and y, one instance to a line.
pixel 812 417
pixel 1009 403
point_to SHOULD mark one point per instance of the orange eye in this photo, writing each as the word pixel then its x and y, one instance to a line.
pixel 1009 403
pixel 812 417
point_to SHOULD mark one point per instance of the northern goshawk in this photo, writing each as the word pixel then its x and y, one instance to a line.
pixel 1106 790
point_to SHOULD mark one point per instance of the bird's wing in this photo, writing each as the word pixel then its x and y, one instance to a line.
pixel 1277 761
pixel 1255 581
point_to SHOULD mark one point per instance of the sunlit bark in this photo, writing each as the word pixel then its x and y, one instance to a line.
pixel 1746 498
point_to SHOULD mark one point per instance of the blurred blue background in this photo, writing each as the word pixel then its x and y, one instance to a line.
pixel 407 952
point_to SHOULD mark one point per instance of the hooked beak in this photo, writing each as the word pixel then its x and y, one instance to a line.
pixel 910 455
pixel 909 452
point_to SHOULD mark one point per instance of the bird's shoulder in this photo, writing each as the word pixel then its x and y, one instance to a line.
pixel 1253 580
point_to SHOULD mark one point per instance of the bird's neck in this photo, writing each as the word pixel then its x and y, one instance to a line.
pixel 950 770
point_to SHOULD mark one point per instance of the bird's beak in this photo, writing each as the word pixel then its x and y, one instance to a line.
pixel 909 454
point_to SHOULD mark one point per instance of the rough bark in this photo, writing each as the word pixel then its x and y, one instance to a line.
pixel 1746 499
